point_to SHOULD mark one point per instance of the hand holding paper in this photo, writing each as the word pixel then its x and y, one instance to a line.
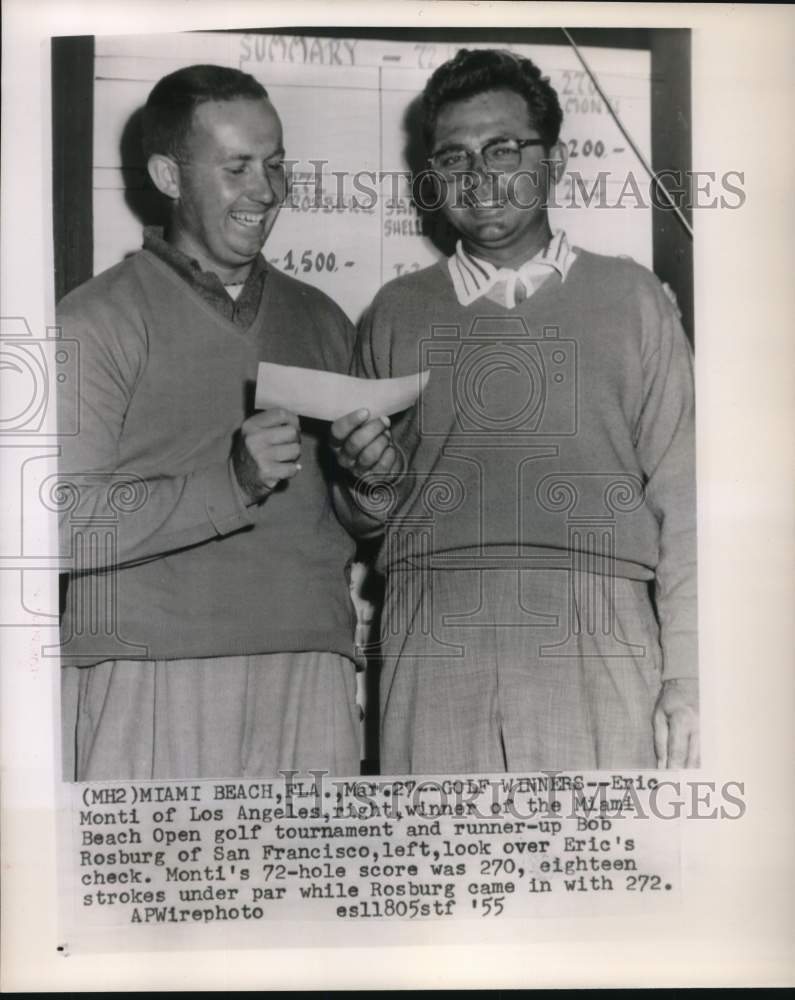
pixel 329 396
pixel 266 451
pixel 364 446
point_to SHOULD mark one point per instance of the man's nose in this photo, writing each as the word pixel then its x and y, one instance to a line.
pixel 477 162
pixel 262 187
pixel 485 177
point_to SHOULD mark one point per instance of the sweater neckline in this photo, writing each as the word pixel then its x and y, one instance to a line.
pixel 192 293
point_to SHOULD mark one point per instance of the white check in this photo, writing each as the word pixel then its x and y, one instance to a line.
pixel 328 396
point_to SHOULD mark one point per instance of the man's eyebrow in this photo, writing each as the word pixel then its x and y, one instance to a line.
pixel 447 146
pixel 248 157
pixel 460 145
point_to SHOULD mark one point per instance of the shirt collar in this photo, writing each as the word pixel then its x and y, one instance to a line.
pixel 474 278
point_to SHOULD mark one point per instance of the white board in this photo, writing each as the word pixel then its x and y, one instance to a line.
pixel 342 101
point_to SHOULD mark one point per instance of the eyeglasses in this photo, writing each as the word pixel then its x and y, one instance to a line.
pixel 497 154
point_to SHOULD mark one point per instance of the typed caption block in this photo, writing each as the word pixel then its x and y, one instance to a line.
pixel 310 848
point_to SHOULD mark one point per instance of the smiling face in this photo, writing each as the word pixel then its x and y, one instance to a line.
pixel 503 219
pixel 228 185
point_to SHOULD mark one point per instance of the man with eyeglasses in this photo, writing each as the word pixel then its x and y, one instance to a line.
pixel 545 481
pixel 210 632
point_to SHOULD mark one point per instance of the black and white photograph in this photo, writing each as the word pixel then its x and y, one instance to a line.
pixel 529 521
pixel 377 432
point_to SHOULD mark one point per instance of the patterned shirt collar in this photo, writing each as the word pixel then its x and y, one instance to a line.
pixel 241 310
pixel 474 278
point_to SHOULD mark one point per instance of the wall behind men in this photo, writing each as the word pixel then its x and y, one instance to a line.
pixel 346 106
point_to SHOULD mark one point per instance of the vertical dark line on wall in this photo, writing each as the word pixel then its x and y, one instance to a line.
pixel 72 160
pixel 380 171
pixel 671 150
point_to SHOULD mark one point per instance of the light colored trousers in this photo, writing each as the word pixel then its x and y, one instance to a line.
pixel 496 670
pixel 239 716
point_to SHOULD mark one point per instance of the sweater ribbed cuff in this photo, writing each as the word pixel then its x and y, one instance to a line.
pixel 680 657
pixel 223 500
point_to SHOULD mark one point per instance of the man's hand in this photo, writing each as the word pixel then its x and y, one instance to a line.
pixel 675 723
pixel 364 446
pixel 266 451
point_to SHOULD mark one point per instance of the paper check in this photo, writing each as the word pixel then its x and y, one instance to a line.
pixel 328 396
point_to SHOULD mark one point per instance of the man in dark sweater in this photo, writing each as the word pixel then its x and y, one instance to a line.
pixel 208 630
pixel 544 482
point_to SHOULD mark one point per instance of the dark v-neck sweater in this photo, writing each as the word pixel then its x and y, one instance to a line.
pixel 181 567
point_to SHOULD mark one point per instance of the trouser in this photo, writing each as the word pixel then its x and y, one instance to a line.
pixel 238 716
pixel 488 670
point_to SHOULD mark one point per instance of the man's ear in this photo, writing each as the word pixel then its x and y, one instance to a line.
pixel 558 158
pixel 164 172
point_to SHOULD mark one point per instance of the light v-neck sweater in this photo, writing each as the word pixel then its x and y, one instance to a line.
pixel 557 434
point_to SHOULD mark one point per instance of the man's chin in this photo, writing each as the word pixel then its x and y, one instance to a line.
pixel 247 250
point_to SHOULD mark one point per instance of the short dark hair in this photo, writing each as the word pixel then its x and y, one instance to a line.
pixel 168 112
pixel 473 71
